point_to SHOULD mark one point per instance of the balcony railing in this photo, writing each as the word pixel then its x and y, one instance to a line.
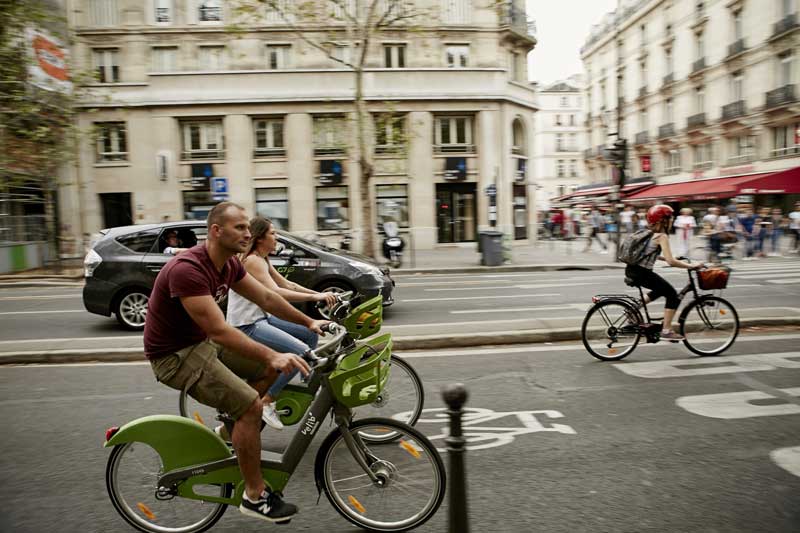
pixel 666 130
pixel 517 19
pixel 787 150
pixel 733 110
pixel 789 22
pixel 453 148
pixel 642 137
pixel 269 152
pixel 736 48
pixel 669 79
pixel 699 65
pixel 742 158
pixel 202 154
pixel 695 121
pixel 643 91
pixel 780 96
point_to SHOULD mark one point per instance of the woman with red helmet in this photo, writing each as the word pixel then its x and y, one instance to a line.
pixel 659 221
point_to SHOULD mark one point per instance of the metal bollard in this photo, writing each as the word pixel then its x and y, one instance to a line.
pixel 455 396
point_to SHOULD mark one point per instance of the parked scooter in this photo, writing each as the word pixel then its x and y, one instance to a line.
pixel 346 241
pixel 393 244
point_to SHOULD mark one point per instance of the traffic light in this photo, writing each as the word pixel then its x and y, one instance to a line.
pixel 619 153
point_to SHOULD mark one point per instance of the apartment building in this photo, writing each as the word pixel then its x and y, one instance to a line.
pixel 560 139
pixel 701 90
pixel 182 101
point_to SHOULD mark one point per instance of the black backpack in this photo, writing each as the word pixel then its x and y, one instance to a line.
pixel 632 250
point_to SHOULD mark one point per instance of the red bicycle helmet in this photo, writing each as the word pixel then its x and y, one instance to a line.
pixel 659 212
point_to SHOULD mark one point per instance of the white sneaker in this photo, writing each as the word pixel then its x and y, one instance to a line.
pixel 270 416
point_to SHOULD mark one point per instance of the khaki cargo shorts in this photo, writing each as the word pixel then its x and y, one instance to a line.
pixel 211 375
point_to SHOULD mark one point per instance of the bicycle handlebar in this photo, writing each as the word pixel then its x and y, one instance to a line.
pixel 314 358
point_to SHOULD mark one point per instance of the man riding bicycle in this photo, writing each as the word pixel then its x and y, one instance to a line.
pixel 191 347
pixel 659 220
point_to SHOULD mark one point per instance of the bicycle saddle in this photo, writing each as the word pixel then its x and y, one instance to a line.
pixel 630 283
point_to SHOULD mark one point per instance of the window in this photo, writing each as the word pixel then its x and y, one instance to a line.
pixel 558 120
pixel 577 101
pixel 564 101
pixel 457 55
pixel 103 13
pixel 560 169
pixel 643 35
pixel 559 142
pixel 330 135
pixel 672 161
pixel 700 45
pixel 737 25
pixel 786 140
pixel 514 66
pixel 389 133
pixel 702 156
pixel 112 144
pixel 140 242
pixel 573 168
pixel 737 86
pixel 203 140
pixel 455 11
pixel 573 142
pixel 268 137
pixel 787 7
pixel 785 69
pixel 394 55
pixel 281 15
pixel 340 53
pixel 164 58
pixel 332 208
pixel 277 56
pixel 453 134
pixel 743 149
pixel 668 111
pixel 162 11
pixel 668 62
pixel 392 204
pixel 700 99
pixel 572 120
pixel 209 11
pixel 105 65
pixel 211 57
pixel 273 204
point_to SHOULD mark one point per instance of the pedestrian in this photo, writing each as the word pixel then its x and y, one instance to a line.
pixel 765 229
pixel 642 216
pixel 596 223
pixel 626 219
pixel 747 222
pixel 778 226
pixel 712 232
pixel 794 227
pixel 684 227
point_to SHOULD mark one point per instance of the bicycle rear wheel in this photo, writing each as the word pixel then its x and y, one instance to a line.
pixel 131 480
pixel 402 399
pixel 709 325
pixel 191 408
pixel 610 330
pixel 411 477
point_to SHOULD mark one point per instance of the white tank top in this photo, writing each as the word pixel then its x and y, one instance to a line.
pixel 241 311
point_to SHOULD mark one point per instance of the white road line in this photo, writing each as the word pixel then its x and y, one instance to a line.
pixel 44 312
pixel 537 286
pixel 476 282
pixel 39 297
pixel 579 307
pixel 736 405
pixel 540 295
pixel 784 281
pixel 392 328
pixel 771 275
pixel 729 364
pixel 788 459
pixel 75 339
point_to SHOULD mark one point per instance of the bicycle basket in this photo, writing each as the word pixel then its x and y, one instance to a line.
pixel 366 319
pixel 713 278
pixel 361 376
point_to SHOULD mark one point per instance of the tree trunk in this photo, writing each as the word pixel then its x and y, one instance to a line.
pixel 365 165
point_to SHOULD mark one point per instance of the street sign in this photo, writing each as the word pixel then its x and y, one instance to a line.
pixel 219 189
pixel 491 190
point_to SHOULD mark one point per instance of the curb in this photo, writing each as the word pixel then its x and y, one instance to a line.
pixel 423 342
pixel 507 268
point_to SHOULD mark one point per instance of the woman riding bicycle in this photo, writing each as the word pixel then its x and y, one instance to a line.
pixel 267 329
pixel 659 221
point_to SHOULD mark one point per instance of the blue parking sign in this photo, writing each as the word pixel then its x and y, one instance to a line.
pixel 219 188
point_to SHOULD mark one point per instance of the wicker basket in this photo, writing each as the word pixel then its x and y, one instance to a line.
pixel 713 278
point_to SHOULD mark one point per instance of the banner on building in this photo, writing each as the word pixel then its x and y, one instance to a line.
pixel 47 68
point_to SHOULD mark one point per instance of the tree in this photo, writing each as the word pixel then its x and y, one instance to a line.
pixel 362 21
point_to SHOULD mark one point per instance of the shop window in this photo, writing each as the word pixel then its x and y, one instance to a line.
pixel 273 204
pixel 332 208
pixel 392 204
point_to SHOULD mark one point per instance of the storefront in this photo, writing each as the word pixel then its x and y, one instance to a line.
pixel 456 212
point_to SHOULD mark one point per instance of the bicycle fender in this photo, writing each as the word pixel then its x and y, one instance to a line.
pixel 179 441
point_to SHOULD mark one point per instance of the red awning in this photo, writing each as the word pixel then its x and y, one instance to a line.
pixel 600 192
pixel 785 182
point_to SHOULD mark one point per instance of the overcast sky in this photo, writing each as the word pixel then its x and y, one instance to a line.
pixel 562 28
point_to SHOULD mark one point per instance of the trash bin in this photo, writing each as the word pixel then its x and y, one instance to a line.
pixel 491 248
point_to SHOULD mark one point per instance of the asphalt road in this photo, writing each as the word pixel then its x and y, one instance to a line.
pixel 52 318
pixel 559 442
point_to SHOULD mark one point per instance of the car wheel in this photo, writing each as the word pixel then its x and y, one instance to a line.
pixel 328 286
pixel 131 308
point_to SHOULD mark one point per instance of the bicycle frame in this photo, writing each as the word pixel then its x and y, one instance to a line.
pixel 689 287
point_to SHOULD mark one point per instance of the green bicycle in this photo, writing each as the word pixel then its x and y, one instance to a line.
pixel 171 474
pixel 402 397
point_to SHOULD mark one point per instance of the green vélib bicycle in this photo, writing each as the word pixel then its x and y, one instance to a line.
pixel 401 398
pixel 172 474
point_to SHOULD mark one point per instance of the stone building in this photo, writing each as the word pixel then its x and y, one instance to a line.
pixel 182 100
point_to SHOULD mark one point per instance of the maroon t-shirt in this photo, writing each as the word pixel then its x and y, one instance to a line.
pixel 168 327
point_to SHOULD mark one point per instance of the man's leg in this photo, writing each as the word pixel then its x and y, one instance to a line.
pixel 247 443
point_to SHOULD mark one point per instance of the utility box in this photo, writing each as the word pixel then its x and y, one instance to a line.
pixel 491 248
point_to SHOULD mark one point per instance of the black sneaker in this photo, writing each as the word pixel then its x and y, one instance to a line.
pixel 269 507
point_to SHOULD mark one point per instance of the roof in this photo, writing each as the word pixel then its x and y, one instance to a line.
pixel 560 87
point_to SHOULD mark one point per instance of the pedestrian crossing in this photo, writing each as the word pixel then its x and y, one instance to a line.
pixel 771 271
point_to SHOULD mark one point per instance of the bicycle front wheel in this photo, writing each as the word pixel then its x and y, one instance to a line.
pixel 402 399
pixel 610 330
pixel 410 474
pixel 131 479
pixel 188 407
pixel 709 325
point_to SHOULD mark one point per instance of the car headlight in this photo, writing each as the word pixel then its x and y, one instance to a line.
pixel 90 263
pixel 365 268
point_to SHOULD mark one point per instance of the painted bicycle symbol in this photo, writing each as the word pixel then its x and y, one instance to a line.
pixel 484 428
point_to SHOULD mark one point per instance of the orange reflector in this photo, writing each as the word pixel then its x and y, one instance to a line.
pixel 363 317
pixel 612 351
pixel 722 311
pixel 146 511
pixel 198 418
pixel 356 504
pixel 410 449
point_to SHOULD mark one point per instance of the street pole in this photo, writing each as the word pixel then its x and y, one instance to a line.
pixel 455 396
pixel 620 160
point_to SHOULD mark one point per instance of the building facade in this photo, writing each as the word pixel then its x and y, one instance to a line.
pixel 700 89
pixel 560 139
pixel 182 101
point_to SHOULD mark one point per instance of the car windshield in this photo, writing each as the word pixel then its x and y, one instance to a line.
pixel 308 243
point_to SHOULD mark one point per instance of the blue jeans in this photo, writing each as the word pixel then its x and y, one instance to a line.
pixel 284 337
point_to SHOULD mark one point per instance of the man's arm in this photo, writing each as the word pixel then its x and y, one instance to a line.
pixel 272 302
pixel 209 317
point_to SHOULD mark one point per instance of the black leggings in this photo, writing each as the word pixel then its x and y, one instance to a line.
pixel 658 286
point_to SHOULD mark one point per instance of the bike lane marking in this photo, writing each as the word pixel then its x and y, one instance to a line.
pixel 788 459
pixel 749 404
pixel 730 364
